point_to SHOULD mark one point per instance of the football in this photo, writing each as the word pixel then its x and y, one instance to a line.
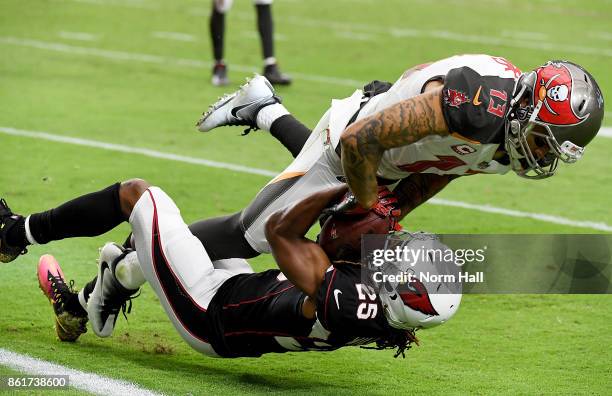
pixel 340 235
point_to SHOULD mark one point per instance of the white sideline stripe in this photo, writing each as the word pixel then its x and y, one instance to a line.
pixel 77 36
pixel 516 213
pixel 605 132
pixel 174 36
pixel 88 382
pixel 263 172
pixel 157 59
pixel 135 150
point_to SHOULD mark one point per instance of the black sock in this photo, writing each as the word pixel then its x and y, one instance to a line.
pixel 266 29
pixel 128 242
pixel 291 133
pixel 217 31
pixel 89 215
pixel 73 305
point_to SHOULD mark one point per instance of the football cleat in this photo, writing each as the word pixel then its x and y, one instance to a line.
pixel 274 75
pixel 108 295
pixel 240 107
pixel 68 325
pixel 8 220
pixel 219 75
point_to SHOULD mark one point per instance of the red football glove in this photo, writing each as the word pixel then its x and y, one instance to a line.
pixel 386 206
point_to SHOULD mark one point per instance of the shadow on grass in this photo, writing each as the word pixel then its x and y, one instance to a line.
pixel 247 374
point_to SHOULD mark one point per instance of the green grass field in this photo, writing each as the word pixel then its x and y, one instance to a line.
pixel 123 84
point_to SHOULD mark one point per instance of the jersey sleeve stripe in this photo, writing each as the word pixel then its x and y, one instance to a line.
pixel 254 300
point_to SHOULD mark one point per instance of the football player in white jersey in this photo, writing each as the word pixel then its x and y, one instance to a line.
pixel 463 115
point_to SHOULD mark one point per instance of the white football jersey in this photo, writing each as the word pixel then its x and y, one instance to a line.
pixel 476 91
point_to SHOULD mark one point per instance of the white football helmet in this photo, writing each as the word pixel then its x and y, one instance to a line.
pixel 419 304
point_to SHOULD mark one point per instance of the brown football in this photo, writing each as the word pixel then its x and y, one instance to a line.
pixel 340 235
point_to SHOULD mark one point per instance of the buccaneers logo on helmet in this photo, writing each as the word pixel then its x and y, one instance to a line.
pixel 553 87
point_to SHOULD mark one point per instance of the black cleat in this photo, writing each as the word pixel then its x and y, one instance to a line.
pixel 8 220
pixel 274 75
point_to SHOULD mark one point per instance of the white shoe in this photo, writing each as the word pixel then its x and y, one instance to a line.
pixel 108 296
pixel 240 107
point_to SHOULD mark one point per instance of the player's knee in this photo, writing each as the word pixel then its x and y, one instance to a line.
pixel 130 192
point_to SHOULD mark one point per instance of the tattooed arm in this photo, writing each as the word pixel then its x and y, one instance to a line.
pixel 418 188
pixel 364 142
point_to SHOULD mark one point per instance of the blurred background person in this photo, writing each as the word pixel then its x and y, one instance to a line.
pixel 265 26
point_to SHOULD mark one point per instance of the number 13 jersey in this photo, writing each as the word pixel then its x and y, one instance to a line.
pixel 475 98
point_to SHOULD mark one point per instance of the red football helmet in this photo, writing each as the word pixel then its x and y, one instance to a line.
pixel 566 103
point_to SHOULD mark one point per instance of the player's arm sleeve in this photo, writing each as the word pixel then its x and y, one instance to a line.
pixel 417 188
pixel 464 100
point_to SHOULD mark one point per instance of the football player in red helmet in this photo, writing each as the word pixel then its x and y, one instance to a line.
pixel 464 115
pixel 559 108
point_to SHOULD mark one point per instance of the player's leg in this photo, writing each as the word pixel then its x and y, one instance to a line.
pixel 234 265
pixel 241 234
pixel 256 105
pixel 119 279
pixel 265 26
pixel 88 215
pixel 217 36
pixel 176 265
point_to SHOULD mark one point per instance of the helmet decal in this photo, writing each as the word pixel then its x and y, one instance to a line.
pixel 417 298
pixel 553 87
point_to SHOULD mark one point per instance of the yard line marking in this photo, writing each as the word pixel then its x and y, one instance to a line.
pixel 264 172
pixel 605 132
pixel 176 36
pixel 601 35
pixel 515 213
pixel 88 382
pixel 121 3
pixel 78 36
pixel 158 59
pixel 515 34
pixel 393 31
pixel 437 34
pixel 356 36
pixel 135 150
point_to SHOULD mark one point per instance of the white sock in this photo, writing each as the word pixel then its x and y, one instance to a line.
pixel 129 273
pixel 269 114
pixel 270 61
pixel 29 236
